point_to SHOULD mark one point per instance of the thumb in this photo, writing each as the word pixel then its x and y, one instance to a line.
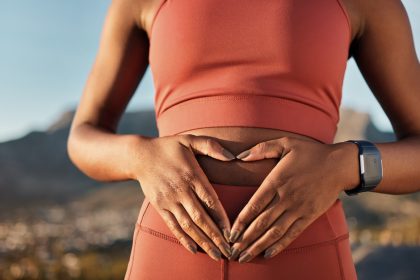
pixel 268 149
pixel 205 145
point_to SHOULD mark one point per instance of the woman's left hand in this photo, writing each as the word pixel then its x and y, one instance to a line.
pixel 306 181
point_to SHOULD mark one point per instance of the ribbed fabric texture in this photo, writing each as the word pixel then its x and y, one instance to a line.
pixel 273 64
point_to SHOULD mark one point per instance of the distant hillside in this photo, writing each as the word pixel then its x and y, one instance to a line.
pixel 35 169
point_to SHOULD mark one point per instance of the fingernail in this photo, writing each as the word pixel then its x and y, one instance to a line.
pixel 228 154
pixel 244 258
pixel 192 248
pixel 240 238
pixel 228 249
pixel 269 253
pixel 215 254
pixel 234 236
pixel 226 234
pixel 235 253
pixel 243 154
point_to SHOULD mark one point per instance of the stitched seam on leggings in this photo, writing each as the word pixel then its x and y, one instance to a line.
pixel 222 268
pixel 159 234
pixel 330 224
pixel 289 250
pixel 343 275
pixel 340 263
pixel 135 241
pixel 144 212
pixel 225 269
pixel 134 251
pixel 316 245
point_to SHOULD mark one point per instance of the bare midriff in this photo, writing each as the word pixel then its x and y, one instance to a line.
pixel 236 140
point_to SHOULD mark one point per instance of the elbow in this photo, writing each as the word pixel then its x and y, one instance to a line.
pixel 72 149
pixel 76 152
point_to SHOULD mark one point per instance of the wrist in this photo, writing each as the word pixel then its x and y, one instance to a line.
pixel 136 148
pixel 348 164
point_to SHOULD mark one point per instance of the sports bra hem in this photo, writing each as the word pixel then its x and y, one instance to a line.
pixel 248 111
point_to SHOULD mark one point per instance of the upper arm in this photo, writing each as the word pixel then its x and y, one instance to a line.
pixel 385 54
pixel 120 63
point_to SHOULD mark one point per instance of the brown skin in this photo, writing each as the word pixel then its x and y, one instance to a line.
pixel 172 169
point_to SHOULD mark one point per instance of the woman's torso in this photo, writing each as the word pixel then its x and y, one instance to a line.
pixel 238 139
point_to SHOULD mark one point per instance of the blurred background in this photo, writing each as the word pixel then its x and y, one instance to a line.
pixel 55 223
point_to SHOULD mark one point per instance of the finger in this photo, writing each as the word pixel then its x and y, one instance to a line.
pixel 208 196
pixel 275 233
pixel 187 224
pixel 292 233
pixel 256 204
pixel 179 233
pixel 275 148
pixel 201 218
pixel 258 227
pixel 268 189
pixel 205 145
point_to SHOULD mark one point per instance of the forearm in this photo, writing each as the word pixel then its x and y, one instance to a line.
pixel 104 155
pixel 400 163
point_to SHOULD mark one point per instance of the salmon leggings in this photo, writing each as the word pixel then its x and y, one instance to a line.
pixel 321 251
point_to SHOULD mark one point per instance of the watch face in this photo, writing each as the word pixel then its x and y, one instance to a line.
pixel 372 168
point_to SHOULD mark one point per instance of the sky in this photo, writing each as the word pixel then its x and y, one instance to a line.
pixel 47 49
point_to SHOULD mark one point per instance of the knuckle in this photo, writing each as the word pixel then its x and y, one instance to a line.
pixel 186 224
pixel 209 201
pixel 279 180
pixel 207 145
pixel 287 140
pixel 171 226
pixel 187 137
pixel 279 246
pixel 157 199
pixel 160 196
pixel 216 239
pixel 173 187
pixel 181 237
pixel 254 208
pixel 276 232
pixel 187 175
pixel 197 217
pixel 287 178
pixel 280 193
pixel 205 244
pixel 294 232
pixel 211 144
pixel 293 195
pixel 261 146
pixel 261 224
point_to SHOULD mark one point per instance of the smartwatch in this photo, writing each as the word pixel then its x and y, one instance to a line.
pixel 370 167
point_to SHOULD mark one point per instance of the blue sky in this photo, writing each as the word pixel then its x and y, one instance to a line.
pixel 48 47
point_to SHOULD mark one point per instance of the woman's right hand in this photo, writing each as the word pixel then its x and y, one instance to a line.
pixel 178 189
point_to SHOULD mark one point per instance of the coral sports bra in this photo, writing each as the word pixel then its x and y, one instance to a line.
pixel 273 64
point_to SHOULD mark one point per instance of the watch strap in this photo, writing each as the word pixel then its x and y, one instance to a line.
pixel 364 147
